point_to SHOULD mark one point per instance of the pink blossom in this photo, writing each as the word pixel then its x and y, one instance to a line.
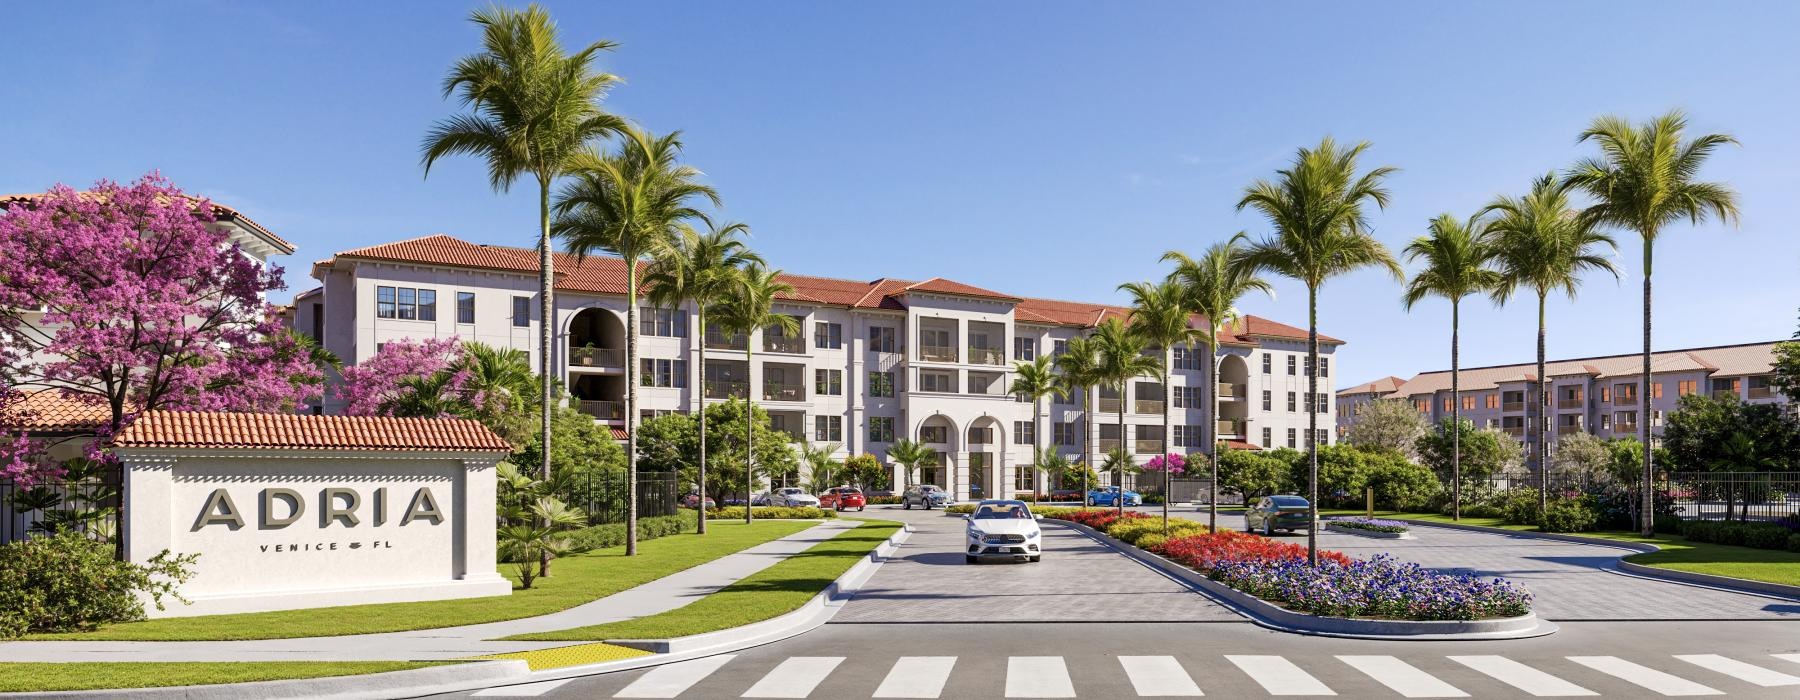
pixel 374 383
pixel 1174 461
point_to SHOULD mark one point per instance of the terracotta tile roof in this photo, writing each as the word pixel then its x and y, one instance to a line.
pixel 1726 360
pixel 1383 385
pixel 1240 445
pixel 939 285
pixel 439 249
pixel 220 212
pixel 53 412
pixel 302 432
pixel 619 433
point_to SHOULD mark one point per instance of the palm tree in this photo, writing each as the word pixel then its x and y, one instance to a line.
pixel 1456 255
pixel 1122 357
pixel 820 460
pixel 700 270
pixel 908 455
pixel 748 307
pixel 534 107
pixel 1644 181
pixel 1160 317
pixel 1052 462
pixel 1077 368
pixel 1212 286
pixel 1317 208
pixel 1034 381
pixel 633 203
pixel 1541 243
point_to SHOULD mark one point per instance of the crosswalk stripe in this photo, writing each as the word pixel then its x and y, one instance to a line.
pixel 523 690
pixel 1788 657
pixel 1159 677
pixel 916 677
pixel 794 678
pixel 1278 675
pixel 1523 677
pixel 1740 670
pixel 670 680
pixel 1404 678
pixel 1038 677
pixel 1643 676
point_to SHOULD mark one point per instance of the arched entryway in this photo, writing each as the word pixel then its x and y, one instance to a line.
pixel 939 433
pixel 1232 421
pixel 987 445
pixel 595 363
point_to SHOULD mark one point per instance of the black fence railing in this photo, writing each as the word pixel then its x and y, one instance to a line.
pixel 602 496
pixel 1735 495
pixel 90 507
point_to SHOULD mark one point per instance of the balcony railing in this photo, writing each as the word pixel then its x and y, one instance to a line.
pixel 792 346
pixel 937 353
pixel 718 389
pixel 1567 429
pixel 783 392
pixel 1148 407
pixel 1230 427
pixel 1110 405
pixel 1724 394
pixel 721 342
pixel 1760 392
pixel 1514 430
pixel 596 357
pixel 1510 406
pixel 604 410
pixel 1570 403
pixel 1148 447
pixel 1231 391
pixel 1619 400
pixel 1625 428
pixel 986 356
pixel 1109 444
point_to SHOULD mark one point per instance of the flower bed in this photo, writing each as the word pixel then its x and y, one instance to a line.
pixel 1370 524
pixel 1383 587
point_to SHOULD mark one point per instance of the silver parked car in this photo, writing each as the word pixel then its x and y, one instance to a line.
pixel 793 497
pixel 925 496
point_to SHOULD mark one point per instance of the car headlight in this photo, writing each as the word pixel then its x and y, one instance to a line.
pixel 1033 533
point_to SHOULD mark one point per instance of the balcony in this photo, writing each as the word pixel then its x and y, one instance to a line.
pixel 1147 407
pixel 1630 428
pixel 1231 391
pixel 783 392
pixel 719 341
pixel 1513 406
pixel 603 410
pixel 1109 444
pixel 986 356
pixel 1619 400
pixel 937 353
pixel 718 389
pixel 1568 404
pixel 1567 429
pixel 1148 447
pixel 1760 392
pixel 1112 405
pixel 596 357
pixel 1230 427
pixel 783 344
pixel 1724 393
pixel 1514 430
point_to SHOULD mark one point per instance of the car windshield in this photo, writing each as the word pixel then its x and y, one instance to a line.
pixel 1002 511
pixel 850 492
pixel 1288 501
pixel 792 492
pixel 929 489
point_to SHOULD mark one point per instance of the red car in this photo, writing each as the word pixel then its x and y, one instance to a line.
pixel 843 498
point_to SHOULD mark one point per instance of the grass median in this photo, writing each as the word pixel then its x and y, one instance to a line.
pixel 1678 554
pixel 574 581
pixel 88 675
pixel 770 593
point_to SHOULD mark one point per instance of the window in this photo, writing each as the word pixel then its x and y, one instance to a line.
pixel 1605 394
pixel 1686 386
pixel 406 303
pixel 1625 392
pixel 1268 361
pixel 881 429
pixel 828 428
pixel 318 324
pixel 427 305
pixel 942 382
pixel 1024 349
pixel 384 302
pixel 1268 400
pixel 881 339
pixel 465 307
pixel 1493 400
pixel 1725 385
pixel 1468 403
pixel 1064 433
pixel 1324 436
pixel 829 336
pixel 1292 360
pixel 1024 478
pixel 1291 442
pixel 662 373
pixel 1656 390
pixel 981 436
pixel 1024 432
pixel 881 384
pixel 665 323
pixel 409 304
pixel 1266 441
pixel 934 434
pixel 1324 370
pixel 1186 358
pixel 1323 402
pixel 828 382
pixel 984 383
pixel 1185 435
pixel 1291 405
pixel 1423 405
pixel 521 312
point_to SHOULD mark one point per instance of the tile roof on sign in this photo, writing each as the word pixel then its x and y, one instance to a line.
pixel 179 429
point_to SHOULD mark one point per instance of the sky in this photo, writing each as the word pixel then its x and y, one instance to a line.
pixel 1050 149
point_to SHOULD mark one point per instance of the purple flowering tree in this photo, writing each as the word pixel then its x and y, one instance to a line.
pixel 404 374
pixel 1173 462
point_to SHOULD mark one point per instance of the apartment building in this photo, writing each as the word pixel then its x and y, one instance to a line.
pixel 1348 400
pixel 1596 395
pixel 874 361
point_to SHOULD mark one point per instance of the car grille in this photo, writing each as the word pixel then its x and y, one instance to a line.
pixel 1005 539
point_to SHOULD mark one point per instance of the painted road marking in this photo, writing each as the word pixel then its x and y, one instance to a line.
pixel 524 690
pixel 916 677
pixel 1643 676
pixel 1788 657
pixel 1740 670
pixel 1278 675
pixel 1038 677
pixel 794 678
pixel 672 679
pixel 1404 678
pixel 1159 677
pixel 1523 677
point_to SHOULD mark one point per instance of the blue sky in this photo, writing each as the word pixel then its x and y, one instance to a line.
pixel 1048 149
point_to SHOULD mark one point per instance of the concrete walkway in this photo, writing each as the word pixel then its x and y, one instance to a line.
pixel 667 593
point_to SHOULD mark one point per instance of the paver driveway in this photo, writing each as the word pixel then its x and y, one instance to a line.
pixel 1078 579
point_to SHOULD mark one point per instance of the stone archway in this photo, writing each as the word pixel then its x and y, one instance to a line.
pixel 941 434
pixel 986 461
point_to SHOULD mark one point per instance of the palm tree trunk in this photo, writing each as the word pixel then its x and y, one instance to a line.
pixel 1168 410
pixel 1037 476
pixel 700 396
pixel 546 339
pixel 1537 423
pixel 1648 528
pixel 1312 422
pixel 749 427
pixel 1455 413
pixel 1119 471
pixel 631 410
pixel 1087 441
pixel 1210 433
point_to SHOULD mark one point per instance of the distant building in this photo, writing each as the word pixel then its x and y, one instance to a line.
pixel 1348 400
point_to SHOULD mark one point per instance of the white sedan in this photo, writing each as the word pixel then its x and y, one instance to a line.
pixel 1003 530
pixel 793 497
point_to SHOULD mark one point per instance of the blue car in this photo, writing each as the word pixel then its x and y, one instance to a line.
pixel 1109 497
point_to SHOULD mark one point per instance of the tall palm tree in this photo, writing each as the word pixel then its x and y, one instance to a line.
pixel 1034 381
pixel 632 202
pixel 1160 317
pixel 1077 368
pixel 1212 286
pixel 1121 355
pixel 1541 243
pixel 534 108
pixel 1644 180
pixel 1456 256
pixel 748 307
pixel 1317 207
pixel 820 460
pixel 908 455
pixel 700 270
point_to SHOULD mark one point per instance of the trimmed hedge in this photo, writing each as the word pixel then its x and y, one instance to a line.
pixel 1743 534
pixel 771 513
pixel 613 534
pixel 960 508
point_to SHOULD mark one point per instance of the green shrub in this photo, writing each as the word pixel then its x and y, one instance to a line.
pixel 1128 531
pixel 68 582
pixel 1521 507
pixel 1758 535
pixel 1765 535
pixel 1668 523
pixel 613 534
pixel 1793 543
pixel 960 508
pixel 1570 515
pixel 1482 510
pixel 1151 540
pixel 770 512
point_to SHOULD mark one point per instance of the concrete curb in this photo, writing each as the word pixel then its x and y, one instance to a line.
pixel 1265 614
pixel 413 683
pixel 1371 534
pixel 1728 583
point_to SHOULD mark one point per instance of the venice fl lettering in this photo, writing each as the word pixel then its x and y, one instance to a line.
pixel 283 507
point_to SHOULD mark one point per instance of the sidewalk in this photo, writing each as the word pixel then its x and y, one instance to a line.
pixel 657 596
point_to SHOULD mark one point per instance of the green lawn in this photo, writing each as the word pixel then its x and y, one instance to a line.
pixel 47 677
pixel 769 593
pixel 574 581
pixel 1767 565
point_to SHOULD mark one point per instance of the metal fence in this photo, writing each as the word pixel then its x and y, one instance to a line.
pixel 602 495
pixel 88 506
pixel 1735 495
